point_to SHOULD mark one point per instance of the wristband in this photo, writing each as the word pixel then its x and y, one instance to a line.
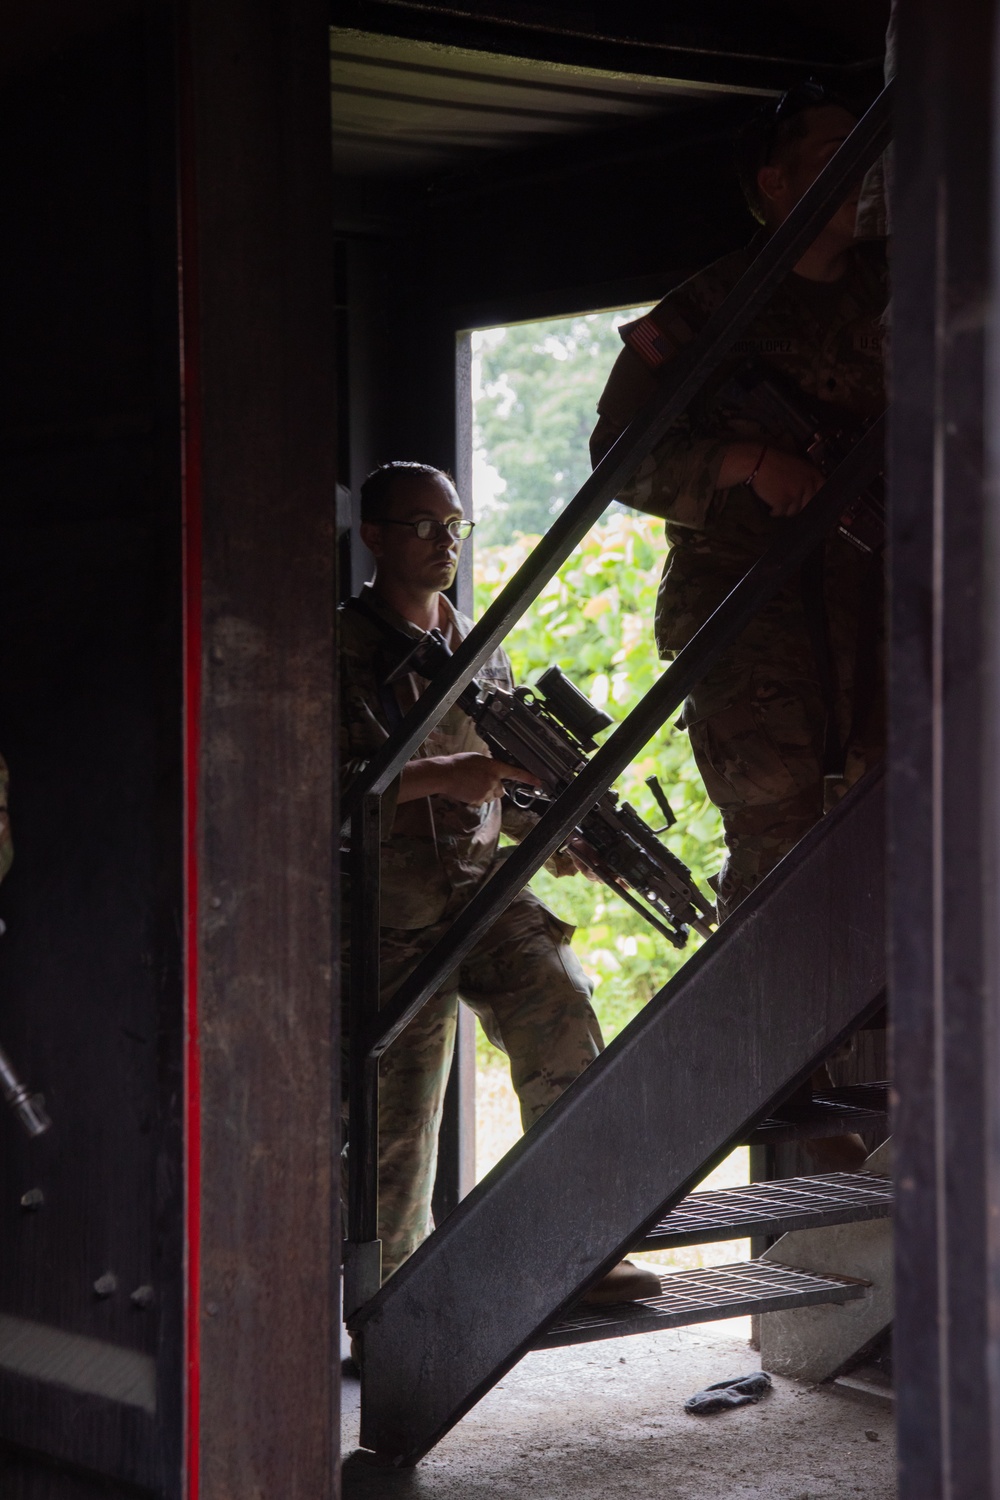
pixel 748 482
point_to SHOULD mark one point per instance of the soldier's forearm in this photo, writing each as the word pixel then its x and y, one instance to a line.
pixel 678 481
pixel 738 462
pixel 427 777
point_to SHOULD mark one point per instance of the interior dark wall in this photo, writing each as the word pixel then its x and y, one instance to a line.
pixel 90 991
pixel 599 223
pixel 24 1477
pixel 647 206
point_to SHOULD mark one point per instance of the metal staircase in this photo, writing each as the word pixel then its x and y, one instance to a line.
pixel 771 1208
pixel 768 1208
pixel 751 1286
pixel 717 1058
pixel 710 1059
pixel 834 1111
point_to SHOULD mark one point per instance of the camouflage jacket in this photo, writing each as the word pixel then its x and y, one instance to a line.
pixel 6 843
pixel 825 337
pixel 435 852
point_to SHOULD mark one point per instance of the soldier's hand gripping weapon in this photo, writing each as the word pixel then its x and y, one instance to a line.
pixel 822 431
pixel 551 737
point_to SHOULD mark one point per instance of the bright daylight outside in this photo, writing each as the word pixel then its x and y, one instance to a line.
pixel 535 392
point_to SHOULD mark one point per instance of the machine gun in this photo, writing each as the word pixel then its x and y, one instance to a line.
pixel 822 431
pixel 551 737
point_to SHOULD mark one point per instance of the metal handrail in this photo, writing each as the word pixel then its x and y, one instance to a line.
pixel 682 381
pixel 755 588
pixel 371 1035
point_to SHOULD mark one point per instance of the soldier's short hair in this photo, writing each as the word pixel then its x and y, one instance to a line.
pixel 376 491
pixel 768 135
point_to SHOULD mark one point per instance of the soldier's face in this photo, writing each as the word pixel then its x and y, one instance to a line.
pixel 787 181
pixel 404 557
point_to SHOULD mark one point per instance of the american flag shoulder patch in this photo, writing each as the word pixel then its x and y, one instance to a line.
pixel 645 338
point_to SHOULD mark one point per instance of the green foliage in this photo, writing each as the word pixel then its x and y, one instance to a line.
pixel 535 412
pixel 595 620
pixel 538 386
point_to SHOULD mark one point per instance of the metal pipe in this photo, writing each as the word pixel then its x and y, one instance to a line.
pixel 683 380
pixel 29 1107
pixel 756 587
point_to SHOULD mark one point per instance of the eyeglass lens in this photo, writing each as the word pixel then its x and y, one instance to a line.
pixel 427 530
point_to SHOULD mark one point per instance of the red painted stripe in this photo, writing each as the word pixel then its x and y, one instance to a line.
pixel 191 461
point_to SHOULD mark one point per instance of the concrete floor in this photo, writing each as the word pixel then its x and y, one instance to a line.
pixel 606 1422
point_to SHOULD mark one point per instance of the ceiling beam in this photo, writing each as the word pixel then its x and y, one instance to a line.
pixel 725 49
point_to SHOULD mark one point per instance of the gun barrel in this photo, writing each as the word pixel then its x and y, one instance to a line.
pixel 629 853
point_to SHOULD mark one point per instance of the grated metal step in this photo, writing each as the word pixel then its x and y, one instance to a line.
pixel 854 1106
pixel 753 1286
pixel 772 1208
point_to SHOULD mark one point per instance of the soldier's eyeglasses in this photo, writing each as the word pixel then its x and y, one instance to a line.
pixel 428 530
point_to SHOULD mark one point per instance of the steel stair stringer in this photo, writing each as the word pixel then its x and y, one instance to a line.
pixel 798 967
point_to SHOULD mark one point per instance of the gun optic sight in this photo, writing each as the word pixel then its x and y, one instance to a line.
pixel 574 711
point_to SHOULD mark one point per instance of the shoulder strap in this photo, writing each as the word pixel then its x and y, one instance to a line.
pixel 359 604
pixel 400 639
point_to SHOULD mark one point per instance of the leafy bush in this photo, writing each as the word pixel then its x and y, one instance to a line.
pixel 595 620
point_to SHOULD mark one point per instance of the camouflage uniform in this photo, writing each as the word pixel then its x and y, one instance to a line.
pixel 6 843
pixel 757 719
pixel 521 979
pixel 875 203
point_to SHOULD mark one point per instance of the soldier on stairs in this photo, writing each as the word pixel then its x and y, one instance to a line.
pixel 793 715
pixel 778 734
pixel 441 827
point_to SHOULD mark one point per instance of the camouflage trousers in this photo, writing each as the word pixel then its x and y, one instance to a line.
pixel 532 997
pixel 761 760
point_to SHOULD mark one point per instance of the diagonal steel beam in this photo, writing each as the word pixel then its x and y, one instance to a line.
pixel 681 383
pixel 796 969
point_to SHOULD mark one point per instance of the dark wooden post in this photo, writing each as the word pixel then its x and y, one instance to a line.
pixel 259 316
pixel 944 1004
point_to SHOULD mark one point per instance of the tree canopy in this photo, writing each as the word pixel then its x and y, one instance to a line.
pixel 536 406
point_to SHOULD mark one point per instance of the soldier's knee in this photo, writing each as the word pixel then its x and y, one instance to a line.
pixel 757 839
pixel 760 751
